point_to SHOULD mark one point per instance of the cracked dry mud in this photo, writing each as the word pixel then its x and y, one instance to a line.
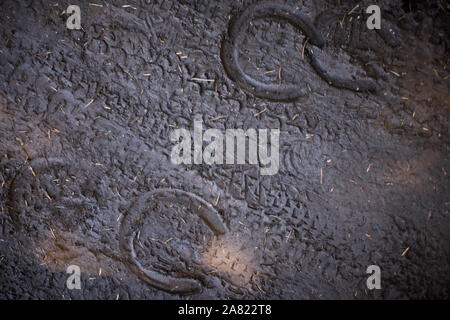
pixel 85 171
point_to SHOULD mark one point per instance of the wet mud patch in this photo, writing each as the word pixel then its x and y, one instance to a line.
pixel 363 176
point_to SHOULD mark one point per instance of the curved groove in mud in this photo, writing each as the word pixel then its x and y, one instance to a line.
pixel 285 92
pixel 358 85
pixel 128 233
pixel 230 49
pixel 157 280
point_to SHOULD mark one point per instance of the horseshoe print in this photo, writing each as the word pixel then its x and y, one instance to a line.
pixel 128 231
pixel 285 92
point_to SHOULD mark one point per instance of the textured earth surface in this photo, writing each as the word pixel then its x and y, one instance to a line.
pixel 86 177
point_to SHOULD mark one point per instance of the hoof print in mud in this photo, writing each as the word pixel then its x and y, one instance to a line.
pixel 283 92
pixel 230 49
pixel 165 213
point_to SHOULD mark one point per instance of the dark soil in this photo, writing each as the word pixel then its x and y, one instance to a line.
pixel 85 121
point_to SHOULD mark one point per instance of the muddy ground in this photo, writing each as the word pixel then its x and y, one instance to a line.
pixel 86 178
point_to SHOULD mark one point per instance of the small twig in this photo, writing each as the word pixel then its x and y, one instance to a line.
pixel 217 200
pixel 260 112
pixel 303 50
pixel 200 79
pixel 404 252
pixel 353 10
